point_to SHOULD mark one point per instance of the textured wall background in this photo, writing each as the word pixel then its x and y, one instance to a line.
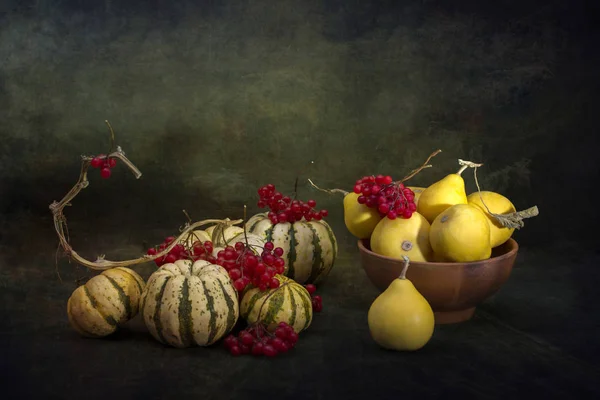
pixel 212 101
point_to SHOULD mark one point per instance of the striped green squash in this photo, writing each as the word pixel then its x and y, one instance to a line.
pixel 256 242
pixel 105 302
pixel 290 303
pixel 310 248
pixel 187 304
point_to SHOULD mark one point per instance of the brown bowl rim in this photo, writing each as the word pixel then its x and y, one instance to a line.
pixel 513 243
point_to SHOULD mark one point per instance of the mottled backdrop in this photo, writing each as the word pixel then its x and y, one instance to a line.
pixel 213 99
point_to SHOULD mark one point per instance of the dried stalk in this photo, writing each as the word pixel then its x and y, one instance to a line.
pixel 101 264
pixel 422 167
pixel 511 220
pixel 407 177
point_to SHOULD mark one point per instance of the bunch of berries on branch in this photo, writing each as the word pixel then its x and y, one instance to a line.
pixel 104 163
pixel 246 264
pixel 284 209
pixel 391 199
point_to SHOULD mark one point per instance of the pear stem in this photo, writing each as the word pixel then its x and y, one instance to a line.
pixel 511 220
pixel 404 268
pixel 466 164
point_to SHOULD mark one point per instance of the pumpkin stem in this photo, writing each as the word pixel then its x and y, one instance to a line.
pixel 101 264
pixel 244 225
pixel 297 178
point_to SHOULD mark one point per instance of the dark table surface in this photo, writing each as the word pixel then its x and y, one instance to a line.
pixel 537 336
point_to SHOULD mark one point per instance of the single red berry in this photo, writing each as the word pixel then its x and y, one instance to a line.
pixel 274 283
pixel 269 351
pixel 239 285
pixel 311 288
pixel 96 162
pixel 235 350
pixel 257 349
pixel 105 172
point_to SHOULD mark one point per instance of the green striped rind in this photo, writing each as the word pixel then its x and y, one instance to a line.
pixel 290 303
pixel 310 248
pixel 187 304
pixel 105 302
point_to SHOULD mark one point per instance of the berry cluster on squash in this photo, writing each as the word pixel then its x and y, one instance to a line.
pixel 243 262
pixel 284 209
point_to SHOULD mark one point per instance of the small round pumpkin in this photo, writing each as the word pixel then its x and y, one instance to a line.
pixel 187 304
pixel 222 234
pixel 105 302
pixel 290 303
pixel 310 247
pixel 255 242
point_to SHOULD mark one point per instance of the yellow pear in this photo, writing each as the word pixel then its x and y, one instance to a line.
pixel 402 237
pixel 417 191
pixel 461 233
pixel 360 220
pixel 400 318
pixel 442 194
pixel 497 204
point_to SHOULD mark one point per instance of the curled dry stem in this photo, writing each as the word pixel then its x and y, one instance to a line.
pixel 329 191
pixel 407 177
pixel 511 220
pixel 60 221
pixel 422 167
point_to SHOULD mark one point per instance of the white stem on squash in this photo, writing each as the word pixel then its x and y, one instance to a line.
pixel 404 268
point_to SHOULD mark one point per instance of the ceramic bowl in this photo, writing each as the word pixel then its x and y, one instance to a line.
pixel 452 289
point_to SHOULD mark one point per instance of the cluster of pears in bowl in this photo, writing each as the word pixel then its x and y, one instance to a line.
pixel 460 250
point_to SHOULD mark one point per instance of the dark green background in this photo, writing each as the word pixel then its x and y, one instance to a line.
pixel 213 100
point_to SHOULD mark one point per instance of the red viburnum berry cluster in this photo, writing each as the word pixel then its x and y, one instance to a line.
pixel 284 209
pixel 199 251
pixel 256 340
pixel 391 199
pixel 317 302
pixel 244 266
pixel 104 163
pixel 247 268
